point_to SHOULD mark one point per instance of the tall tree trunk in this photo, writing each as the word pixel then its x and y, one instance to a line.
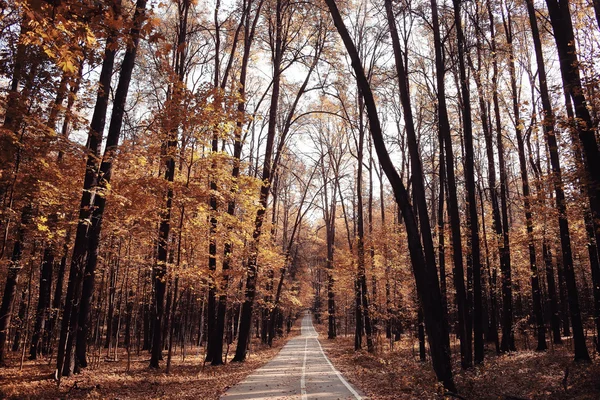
pixel 591 225
pixel 57 304
pixel 14 112
pixel 561 22
pixel 249 29
pixel 251 264
pixel 536 167
pixel 112 294
pixel 63 358
pixel 362 302
pixel 489 147
pixel 554 317
pixel 560 18
pixel 160 326
pixel 12 279
pixel 535 284
pixel 374 304
pixel 507 343
pixel 390 317
pixel 81 325
pixel 421 334
pixel 160 268
pixel 40 327
pixel 452 199
pixel 211 345
pixel 44 325
pixel 21 322
pixel 473 223
pixel 330 217
pixel 441 223
pixel 592 247
pixel 172 327
pixel 424 268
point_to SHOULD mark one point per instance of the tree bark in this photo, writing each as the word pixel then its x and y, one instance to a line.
pixel 81 326
pixel 473 223
pixel 63 358
pixel 561 22
pixel 452 199
pixel 424 268
pixel 211 346
pixel 57 298
pixel 535 284
pixel 362 302
pixel 12 279
pixel 40 327
pixel 507 342
pixel 251 264
pixel 489 146
pixel 560 18
pixel 237 151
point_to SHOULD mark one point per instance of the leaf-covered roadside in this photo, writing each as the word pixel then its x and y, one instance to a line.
pixel 109 380
pixel 398 374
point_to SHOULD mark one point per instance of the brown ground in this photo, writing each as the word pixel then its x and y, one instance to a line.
pixel 398 374
pixel 109 380
pixel 388 374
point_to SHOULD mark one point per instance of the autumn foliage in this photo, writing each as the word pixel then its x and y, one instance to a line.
pixel 180 177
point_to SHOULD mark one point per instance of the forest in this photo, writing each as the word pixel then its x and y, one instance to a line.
pixel 186 186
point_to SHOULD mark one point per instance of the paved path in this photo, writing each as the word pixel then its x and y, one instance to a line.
pixel 301 370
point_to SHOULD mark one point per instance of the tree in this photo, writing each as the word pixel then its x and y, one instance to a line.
pixel 248 22
pixel 548 128
pixel 425 272
pixel 472 220
pixel 81 282
pixel 507 342
pixel 251 264
pixel 581 352
pixel 12 280
pixel 452 199
pixel 175 96
pixel 535 285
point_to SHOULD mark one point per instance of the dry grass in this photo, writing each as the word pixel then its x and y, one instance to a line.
pixel 110 380
pixel 398 374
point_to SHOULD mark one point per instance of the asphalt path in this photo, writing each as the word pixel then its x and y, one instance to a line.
pixel 301 370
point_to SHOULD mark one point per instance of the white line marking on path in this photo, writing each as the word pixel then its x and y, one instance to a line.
pixel 303 378
pixel 339 375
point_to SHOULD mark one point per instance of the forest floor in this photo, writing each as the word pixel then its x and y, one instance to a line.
pixel 398 374
pixel 110 380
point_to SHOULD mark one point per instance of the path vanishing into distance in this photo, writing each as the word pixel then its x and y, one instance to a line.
pixel 301 370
